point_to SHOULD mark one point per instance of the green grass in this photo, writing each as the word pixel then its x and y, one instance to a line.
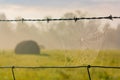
pixel 61 58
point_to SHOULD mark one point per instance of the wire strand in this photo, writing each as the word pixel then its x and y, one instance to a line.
pixel 110 17
pixel 36 67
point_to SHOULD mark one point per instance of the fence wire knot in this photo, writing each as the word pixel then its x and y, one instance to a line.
pixel 88 66
pixel 13 67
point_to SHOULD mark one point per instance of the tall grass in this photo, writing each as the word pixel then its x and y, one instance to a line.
pixel 59 58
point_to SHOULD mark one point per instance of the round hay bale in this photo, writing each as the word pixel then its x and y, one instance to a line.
pixel 27 47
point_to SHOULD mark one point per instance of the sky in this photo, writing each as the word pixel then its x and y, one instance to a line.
pixel 56 8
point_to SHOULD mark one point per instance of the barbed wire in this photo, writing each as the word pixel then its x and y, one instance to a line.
pixel 63 67
pixel 110 17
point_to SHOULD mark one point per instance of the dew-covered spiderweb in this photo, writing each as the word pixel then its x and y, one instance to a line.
pixel 80 41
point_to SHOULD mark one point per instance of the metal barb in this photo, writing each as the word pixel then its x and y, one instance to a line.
pixel 75 19
pixel 110 17
pixel 22 20
pixel 48 20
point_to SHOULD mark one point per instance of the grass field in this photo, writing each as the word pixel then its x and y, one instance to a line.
pixel 60 58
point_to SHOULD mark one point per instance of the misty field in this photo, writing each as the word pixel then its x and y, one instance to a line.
pixel 60 58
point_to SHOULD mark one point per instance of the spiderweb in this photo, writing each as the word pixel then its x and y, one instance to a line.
pixel 82 45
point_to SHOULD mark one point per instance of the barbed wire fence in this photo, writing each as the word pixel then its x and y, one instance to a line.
pixel 88 67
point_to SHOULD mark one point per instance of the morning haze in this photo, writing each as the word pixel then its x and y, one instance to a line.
pixel 61 35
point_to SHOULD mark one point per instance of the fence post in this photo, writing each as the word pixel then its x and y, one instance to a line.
pixel 88 70
pixel 13 74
